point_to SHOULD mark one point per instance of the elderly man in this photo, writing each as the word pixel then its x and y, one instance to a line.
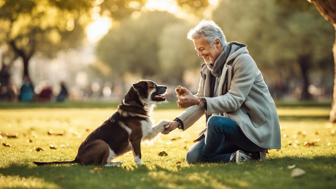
pixel 242 122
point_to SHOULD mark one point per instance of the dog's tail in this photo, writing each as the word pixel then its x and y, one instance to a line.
pixel 39 163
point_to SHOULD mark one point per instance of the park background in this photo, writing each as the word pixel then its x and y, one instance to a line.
pixel 98 48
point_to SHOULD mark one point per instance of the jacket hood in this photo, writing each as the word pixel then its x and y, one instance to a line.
pixel 236 50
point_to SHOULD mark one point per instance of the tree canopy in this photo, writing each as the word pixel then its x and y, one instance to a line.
pixel 133 46
pixel 43 26
pixel 277 35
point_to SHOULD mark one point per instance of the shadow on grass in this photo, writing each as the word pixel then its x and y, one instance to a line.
pixel 273 173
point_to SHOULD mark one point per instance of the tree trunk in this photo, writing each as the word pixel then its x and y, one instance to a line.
pixel 327 9
pixel 25 62
pixel 333 109
pixel 24 56
pixel 304 68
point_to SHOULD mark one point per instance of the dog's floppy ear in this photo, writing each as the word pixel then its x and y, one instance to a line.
pixel 142 88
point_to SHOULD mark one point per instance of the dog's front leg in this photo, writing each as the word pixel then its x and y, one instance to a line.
pixel 156 130
pixel 135 142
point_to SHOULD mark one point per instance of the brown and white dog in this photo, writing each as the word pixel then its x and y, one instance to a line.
pixel 124 130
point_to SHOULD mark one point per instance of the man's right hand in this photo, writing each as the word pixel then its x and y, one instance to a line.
pixel 170 127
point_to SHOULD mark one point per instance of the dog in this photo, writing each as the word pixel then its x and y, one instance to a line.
pixel 124 130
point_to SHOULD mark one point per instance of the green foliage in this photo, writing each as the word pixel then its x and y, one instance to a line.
pixel 28 27
pixel 290 41
pixel 176 53
pixel 32 125
pixel 195 7
pixel 134 45
pixel 121 9
pixel 276 34
pixel 43 26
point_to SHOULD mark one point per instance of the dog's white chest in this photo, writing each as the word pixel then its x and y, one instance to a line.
pixel 146 127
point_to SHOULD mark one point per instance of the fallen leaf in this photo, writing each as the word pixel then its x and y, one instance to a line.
pixel 53 147
pixel 54 133
pixel 11 135
pixel 163 153
pixel 291 166
pixel 309 144
pixel 176 138
pixel 38 149
pixel 297 172
pixel 6 144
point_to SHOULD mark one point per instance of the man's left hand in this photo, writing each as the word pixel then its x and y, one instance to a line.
pixel 187 101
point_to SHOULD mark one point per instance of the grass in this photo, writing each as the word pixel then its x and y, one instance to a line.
pixel 309 143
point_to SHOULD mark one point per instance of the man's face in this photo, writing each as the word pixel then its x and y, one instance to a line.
pixel 207 52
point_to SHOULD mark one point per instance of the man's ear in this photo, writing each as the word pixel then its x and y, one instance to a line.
pixel 218 44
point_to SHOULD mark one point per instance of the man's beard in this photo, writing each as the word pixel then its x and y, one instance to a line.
pixel 208 63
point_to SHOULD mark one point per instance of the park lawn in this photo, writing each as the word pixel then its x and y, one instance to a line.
pixel 308 143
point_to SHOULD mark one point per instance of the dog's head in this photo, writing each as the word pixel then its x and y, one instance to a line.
pixel 148 92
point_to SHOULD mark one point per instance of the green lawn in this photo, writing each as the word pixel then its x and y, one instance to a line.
pixel 309 143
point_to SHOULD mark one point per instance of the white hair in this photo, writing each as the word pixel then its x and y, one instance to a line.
pixel 208 29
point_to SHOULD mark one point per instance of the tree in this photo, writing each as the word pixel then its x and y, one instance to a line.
pixel 277 36
pixel 134 45
pixel 28 27
pixel 43 26
pixel 120 9
pixel 176 53
pixel 327 9
pixel 195 7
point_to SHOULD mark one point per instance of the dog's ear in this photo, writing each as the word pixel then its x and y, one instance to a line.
pixel 142 88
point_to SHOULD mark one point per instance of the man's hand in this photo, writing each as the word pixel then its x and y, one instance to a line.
pixel 182 91
pixel 170 127
pixel 187 101
pixel 185 98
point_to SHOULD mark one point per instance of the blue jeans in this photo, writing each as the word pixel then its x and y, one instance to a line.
pixel 222 138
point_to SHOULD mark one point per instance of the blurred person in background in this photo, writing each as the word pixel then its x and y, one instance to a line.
pixel 63 94
pixel 8 91
pixel 27 90
pixel 242 122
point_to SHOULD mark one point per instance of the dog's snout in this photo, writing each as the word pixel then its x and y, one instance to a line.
pixel 164 87
pixel 161 88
